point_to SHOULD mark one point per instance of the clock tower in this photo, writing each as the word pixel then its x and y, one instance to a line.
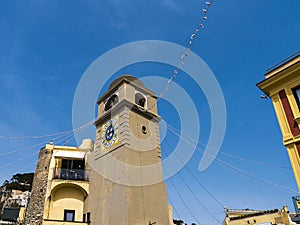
pixel 126 185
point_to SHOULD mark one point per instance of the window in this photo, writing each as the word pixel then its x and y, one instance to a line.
pixel 140 99
pixel 296 92
pixel 69 215
pixel 144 129
pixel 114 99
pixel 73 164
pixel 72 169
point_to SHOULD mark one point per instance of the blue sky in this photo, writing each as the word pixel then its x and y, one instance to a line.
pixel 46 46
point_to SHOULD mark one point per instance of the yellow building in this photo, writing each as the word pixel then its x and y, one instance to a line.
pixel 68 184
pixel 282 85
pixel 266 217
pixel 22 215
pixel 60 186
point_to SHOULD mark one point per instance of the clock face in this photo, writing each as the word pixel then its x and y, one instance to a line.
pixel 109 133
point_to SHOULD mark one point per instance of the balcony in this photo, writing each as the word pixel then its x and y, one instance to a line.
pixel 71 174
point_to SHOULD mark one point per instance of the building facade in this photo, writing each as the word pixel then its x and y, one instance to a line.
pixel 127 187
pixel 17 198
pixel 282 85
pixel 13 204
pixel 60 185
pixel 259 217
pixel 119 180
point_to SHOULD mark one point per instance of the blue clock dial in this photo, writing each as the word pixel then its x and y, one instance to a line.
pixel 109 133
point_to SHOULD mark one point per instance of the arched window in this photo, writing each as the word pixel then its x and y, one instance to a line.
pixel 113 100
pixel 140 99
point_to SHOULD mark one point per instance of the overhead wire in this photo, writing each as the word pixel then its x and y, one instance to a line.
pixel 161 95
pixel 58 139
pixel 255 178
pixel 46 135
pixel 240 171
pixel 197 180
pixel 18 160
pixel 255 162
pixel 168 126
pixel 173 207
pixel 183 201
pixel 22 149
pixel 68 137
pixel 194 195
pixel 185 54
pixel 58 135
pixel 187 168
pixel 175 72
pixel 21 159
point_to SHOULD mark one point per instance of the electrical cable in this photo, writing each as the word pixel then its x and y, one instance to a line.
pixel 58 135
pixel 173 206
pixel 182 199
pixel 47 135
pixel 186 53
pixel 168 126
pixel 35 153
pixel 201 185
pixel 161 95
pixel 228 165
pixel 195 196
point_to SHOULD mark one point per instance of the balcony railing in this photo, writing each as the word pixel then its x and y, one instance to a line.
pixel 71 174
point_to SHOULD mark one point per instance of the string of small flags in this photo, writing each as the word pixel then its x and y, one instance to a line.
pixel 186 53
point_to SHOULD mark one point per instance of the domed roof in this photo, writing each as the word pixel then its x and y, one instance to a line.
pixel 129 78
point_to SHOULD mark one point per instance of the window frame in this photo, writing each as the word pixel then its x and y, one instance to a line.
pixel 111 101
pixel 140 99
pixel 66 212
pixel 290 88
pixel 296 93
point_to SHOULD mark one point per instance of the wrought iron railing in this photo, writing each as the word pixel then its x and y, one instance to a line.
pixel 71 174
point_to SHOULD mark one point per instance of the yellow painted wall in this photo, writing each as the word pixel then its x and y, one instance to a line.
pixel 288 139
pixel 287 87
pixel 66 197
pixel 22 214
pixel 49 222
pixel 275 218
pixel 63 194
pixel 286 77
pixel 295 162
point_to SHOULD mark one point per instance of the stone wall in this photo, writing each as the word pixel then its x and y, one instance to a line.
pixel 35 211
